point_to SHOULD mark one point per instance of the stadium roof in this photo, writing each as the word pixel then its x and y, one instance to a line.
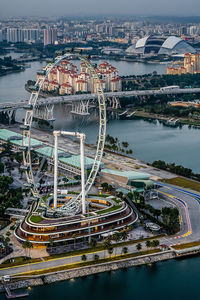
pixel 160 45
pixel 142 42
pixel 171 42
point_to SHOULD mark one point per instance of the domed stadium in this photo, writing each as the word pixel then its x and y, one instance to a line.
pixel 160 45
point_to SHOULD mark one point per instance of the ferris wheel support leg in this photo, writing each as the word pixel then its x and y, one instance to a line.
pixel 82 174
pixel 55 169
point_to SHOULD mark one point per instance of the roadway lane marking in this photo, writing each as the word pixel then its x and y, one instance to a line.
pixel 186 214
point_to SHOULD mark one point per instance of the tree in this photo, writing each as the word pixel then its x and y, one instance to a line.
pixel 106 244
pixel 155 243
pixel 51 243
pixel 83 257
pixel 74 238
pixel 93 242
pixel 8 233
pixel 124 235
pixel 96 257
pixel 116 238
pixel 148 244
pixel 125 144
pixel 27 245
pixel 110 250
pixel 139 247
pixel 124 250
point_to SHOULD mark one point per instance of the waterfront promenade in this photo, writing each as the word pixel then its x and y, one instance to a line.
pixel 189 207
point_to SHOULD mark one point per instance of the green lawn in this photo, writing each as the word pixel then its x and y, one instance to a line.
pixel 21 260
pixel 36 219
pixel 184 182
pixel 108 210
pixel 185 246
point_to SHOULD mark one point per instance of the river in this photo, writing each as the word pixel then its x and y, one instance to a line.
pixel 149 141
pixel 12 85
pixel 172 279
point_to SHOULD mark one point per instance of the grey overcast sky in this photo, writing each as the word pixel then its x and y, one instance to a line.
pixel 97 7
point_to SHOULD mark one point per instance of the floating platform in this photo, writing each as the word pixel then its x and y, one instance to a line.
pixel 11 295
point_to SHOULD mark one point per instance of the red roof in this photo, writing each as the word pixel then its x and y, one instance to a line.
pixel 66 85
pixel 81 81
pixel 53 82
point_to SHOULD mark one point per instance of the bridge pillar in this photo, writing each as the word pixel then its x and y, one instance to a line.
pixel 8 116
pixel 45 112
pixel 80 108
pixel 114 102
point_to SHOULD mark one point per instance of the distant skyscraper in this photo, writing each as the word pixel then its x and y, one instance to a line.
pixel 31 35
pixel 15 35
pixel 50 36
pixel 1 36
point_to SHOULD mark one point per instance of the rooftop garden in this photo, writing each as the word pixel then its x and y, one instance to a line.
pixel 36 219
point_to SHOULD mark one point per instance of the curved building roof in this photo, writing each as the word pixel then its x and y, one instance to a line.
pixel 142 42
pixel 171 42
pixel 160 45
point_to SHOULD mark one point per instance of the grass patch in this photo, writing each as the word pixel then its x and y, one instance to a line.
pixel 89 263
pixel 185 246
pixel 21 260
pixel 99 195
pixel 36 219
pixel 108 210
pixel 184 182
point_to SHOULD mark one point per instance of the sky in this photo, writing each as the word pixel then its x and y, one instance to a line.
pixel 99 7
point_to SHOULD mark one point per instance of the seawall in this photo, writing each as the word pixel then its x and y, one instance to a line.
pixel 88 270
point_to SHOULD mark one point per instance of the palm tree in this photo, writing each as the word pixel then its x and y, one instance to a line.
pixel 139 247
pixel 93 242
pixel 110 251
pixel 30 246
pixel 96 257
pixel 155 243
pixel 51 243
pixel 148 244
pixel 130 227
pixel 27 245
pixel 116 238
pixel 124 235
pixel 83 257
pixel 106 244
pixel 124 250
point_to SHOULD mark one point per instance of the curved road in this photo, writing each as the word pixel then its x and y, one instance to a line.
pixel 188 203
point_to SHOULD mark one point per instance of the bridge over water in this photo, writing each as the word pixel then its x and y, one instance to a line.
pixel 80 102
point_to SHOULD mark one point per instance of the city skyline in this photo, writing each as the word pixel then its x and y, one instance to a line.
pixel 89 7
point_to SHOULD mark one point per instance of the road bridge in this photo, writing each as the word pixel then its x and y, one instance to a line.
pixel 47 104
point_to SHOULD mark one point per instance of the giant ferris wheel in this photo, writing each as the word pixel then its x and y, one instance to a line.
pixel 74 206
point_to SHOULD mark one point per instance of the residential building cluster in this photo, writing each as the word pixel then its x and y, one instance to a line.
pixel 66 80
pixel 190 65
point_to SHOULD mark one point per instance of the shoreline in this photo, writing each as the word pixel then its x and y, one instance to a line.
pixel 22 282
pixel 37 280
pixel 182 121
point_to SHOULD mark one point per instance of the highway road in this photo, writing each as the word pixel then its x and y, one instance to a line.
pixel 85 97
pixel 189 207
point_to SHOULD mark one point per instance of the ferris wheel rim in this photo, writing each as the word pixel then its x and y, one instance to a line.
pixel 26 136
